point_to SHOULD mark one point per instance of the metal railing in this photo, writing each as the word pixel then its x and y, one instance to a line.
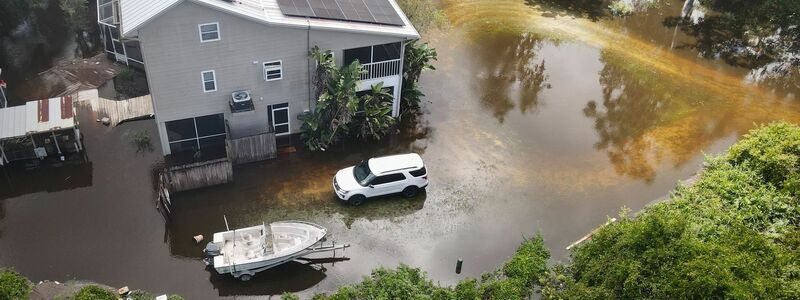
pixel 381 69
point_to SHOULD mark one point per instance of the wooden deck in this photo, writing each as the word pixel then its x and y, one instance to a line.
pixel 251 148
pixel 119 111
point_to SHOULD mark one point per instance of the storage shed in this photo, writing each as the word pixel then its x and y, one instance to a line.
pixel 38 130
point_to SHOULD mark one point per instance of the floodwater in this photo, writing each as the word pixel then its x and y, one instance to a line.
pixel 535 121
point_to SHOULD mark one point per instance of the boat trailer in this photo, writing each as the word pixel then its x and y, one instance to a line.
pixel 322 246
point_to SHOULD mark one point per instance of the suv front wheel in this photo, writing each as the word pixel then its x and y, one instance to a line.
pixel 410 191
pixel 356 200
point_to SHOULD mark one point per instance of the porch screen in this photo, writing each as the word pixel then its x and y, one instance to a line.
pixel 372 54
pixel 197 133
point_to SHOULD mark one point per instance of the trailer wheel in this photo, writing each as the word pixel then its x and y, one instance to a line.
pixel 245 277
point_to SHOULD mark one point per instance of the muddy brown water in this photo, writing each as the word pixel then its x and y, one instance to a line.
pixel 534 122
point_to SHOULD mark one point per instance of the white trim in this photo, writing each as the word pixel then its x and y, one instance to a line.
pixel 288 119
pixel 203 80
pixel 409 32
pixel 272 68
pixel 200 32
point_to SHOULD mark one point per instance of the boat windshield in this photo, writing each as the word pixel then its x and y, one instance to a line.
pixel 362 173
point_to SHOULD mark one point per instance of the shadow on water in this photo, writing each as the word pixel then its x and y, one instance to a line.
pixel 15 180
pixel 287 278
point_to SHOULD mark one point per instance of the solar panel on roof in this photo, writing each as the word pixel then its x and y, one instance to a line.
pixel 383 12
pixel 326 9
pixel 367 11
pixel 296 8
pixel 356 10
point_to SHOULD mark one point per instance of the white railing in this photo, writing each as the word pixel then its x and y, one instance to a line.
pixel 381 69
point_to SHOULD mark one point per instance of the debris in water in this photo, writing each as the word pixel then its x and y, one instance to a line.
pixel 198 238
pixel 105 120
pixel 123 290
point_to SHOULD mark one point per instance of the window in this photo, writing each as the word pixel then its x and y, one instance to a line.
pixel 273 70
pixel 280 118
pixel 418 173
pixel 209 32
pixel 193 134
pixel 371 54
pixel 388 179
pixel 209 81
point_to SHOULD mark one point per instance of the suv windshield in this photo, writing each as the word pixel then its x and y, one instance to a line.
pixel 362 173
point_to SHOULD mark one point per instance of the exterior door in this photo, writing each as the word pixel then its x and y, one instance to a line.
pixel 280 119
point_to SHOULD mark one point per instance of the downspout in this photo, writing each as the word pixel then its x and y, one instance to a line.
pixel 399 100
pixel 308 62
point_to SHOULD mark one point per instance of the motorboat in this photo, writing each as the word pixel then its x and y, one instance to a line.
pixel 246 251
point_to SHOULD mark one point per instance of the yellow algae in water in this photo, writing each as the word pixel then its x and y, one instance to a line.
pixel 655 104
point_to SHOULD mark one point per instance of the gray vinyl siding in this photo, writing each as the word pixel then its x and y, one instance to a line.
pixel 175 58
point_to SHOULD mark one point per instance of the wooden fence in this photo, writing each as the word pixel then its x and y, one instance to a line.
pixel 198 175
pixel 251 148
pixel 119 111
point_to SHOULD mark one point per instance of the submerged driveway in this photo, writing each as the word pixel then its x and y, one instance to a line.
pixel 521 133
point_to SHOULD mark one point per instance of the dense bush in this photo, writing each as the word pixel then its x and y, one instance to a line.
pixel 733 234
pixel 515 281
pixel 93 292
pixel 13 285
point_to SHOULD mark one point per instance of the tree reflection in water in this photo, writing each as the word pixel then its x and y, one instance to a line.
pixel 512 74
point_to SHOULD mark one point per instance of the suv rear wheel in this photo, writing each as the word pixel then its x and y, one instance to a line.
pixel 356 200
pixel 410 191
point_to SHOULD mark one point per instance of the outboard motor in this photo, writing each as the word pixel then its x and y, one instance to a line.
pixel 210 251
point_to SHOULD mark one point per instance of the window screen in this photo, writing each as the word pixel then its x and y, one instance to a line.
pixel 197 133
pixel 180 130
pixel 363 55
pixel 386 52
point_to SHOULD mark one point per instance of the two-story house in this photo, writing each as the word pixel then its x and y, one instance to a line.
pixel 220 69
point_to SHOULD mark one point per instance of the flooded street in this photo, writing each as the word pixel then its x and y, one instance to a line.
pixel 534 121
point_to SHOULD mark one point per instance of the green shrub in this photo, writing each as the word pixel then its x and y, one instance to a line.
pixel 529 262
pixel 773 152
pixel 467 289
pixel 174 297
pixel 289 296
pixel 13 285
pixel 732 234
pixel 93 292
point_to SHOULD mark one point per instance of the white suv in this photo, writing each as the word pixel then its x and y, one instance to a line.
pixel 404 173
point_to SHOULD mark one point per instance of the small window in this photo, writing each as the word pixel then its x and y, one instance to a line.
pixel 418 173
pixel 209 32
pixel 388 179
pixel 209 81
pixel 280 118
pixel 273 70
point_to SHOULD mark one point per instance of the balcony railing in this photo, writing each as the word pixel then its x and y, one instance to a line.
pixel 381 69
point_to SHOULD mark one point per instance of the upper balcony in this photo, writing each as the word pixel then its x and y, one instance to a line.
pixel 382 69
pixel 378 60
